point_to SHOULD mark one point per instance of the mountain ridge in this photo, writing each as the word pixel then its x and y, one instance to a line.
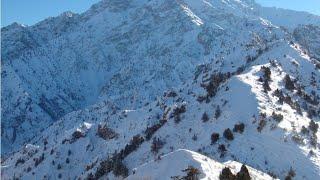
pixel 153 69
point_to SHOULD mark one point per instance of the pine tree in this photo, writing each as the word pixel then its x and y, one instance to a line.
pixel 217 113
pixel 214 137
pixel 226 174
pixel 243 174
pixel 228 134
pixel 288 83
pixel 205 117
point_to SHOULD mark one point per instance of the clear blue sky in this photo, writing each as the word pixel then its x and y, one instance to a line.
pixel 31 11
pixel 312 6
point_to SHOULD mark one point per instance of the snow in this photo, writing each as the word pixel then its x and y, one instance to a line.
pixel 112 65
pixel 194 17
pixel 287 18
pixel 174 163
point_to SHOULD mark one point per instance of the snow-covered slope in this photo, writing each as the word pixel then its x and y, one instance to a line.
pixel 308 37
pixel 176 163
pixel 288 19
pixel 97 94
pixel 115 52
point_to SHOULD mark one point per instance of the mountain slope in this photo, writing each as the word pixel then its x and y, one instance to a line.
pixel 288 19
pixel 62 75
pixel 98 94
pixel 168 167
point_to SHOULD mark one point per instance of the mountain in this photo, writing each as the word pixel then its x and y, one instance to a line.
pixel 168 167
pixel 97 94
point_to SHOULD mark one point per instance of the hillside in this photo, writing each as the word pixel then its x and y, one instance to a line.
pixel 191 164
pixel 99 94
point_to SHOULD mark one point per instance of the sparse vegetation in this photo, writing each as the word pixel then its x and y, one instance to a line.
pixel 170 94
pixel 290 174
pixel 262 124
pixel 239 128
pixel 38 160
pixel 266 86
pixel 278 93
pixel 205 117
pixel 214 83
pixel 266 78
pixel 243 174
pixel 228 134
pixel 20 161
pixel 192 173
pixel 222 149
pixel 273 175
pixel 288 83
pixel 119 169
pixel 277 117
pixel 177 113
pixel 288 177
pixel 313 127
pixel 112 164
pixel 226 174
pixel 194 137
pixel 151 130
pixel 135 142
pixel 106 133
pixel 119 94
pixel 76 135
pixel 297 138
pixel 91 165
pixel 304 130
pixel 214 137
pixel 217 114
pixel 266 73
pixel 156 145
pixel 313 140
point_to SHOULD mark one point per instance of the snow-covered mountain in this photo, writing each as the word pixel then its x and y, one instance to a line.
pixel 98 94
pixel 187 164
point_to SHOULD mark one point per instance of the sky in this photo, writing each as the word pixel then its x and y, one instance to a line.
pixel 312 6
pixel 29 12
